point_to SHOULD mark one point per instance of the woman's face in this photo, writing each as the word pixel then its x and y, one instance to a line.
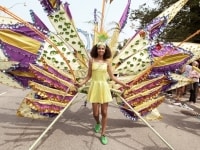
pixel 195 64
pixel 101 50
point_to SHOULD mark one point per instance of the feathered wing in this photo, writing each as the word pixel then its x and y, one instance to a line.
pixel 9 64
pixel 143 38
pixel 20 44
pixel 58 68
pixel 55 67
pixel 179 81
pixel 63 23
pixel 191 47
pixel 119 27
pixel 149 61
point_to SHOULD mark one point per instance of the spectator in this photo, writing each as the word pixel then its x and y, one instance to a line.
pixel 194 75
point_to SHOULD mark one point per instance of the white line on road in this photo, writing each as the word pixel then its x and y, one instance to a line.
pixel 3 93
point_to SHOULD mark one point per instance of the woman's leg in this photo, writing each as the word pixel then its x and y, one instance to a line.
pixel 195 92
pixel 191 93
pixel 95 108
pixel 178 94
pixel 104 108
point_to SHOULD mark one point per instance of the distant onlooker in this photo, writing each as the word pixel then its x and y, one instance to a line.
pixel 184 70
pixel 194 75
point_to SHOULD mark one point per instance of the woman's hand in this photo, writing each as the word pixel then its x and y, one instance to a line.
pixel 126 86
pixel 77 84
pixel 80 83
pixel 73 88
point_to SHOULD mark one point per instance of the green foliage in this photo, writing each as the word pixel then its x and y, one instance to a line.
pixel 185 23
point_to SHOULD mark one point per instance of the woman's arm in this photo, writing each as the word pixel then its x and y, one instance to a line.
pixel 109 69
pixel 89 73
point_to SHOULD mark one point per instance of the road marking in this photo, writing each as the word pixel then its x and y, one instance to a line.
pixel 3 93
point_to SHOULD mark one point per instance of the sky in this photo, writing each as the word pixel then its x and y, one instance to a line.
pixel 81 10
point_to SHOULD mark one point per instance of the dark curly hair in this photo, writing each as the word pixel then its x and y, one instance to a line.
pixel 94 53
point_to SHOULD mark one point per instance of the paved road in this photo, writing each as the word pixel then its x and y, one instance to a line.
pixel 73 131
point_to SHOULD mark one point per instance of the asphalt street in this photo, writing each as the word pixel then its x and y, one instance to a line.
pixel 179 126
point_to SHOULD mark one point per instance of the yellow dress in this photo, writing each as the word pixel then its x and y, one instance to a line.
pixel 99 91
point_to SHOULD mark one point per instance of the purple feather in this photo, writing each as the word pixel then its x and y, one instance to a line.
pixel 124 16
pixel 24 30
pixel 67 10
pixel 57 74
pixel 48 7
pixel 37 21
pixel 168 49
pixel 19 55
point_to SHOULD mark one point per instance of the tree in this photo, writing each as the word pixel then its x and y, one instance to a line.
pixel 185 23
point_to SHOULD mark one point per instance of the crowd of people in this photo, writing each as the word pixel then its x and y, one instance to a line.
pixel 192 72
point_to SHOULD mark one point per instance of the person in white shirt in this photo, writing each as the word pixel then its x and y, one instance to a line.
pixel 194 75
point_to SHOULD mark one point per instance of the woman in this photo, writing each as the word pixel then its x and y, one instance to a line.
pixel 99 92
pixel 194 75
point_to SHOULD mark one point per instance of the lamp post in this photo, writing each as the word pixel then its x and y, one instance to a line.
pixel 16 4
pixel 24 4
